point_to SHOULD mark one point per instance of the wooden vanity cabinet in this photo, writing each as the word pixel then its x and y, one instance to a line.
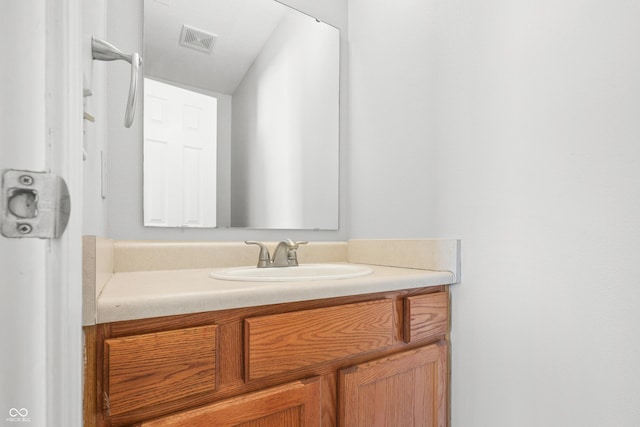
pixel 376 359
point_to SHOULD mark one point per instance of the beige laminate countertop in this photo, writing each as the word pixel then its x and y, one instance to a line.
pixel 146 294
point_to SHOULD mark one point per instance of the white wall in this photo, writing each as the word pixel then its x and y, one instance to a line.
pixel 94 138
pixel 285 101
pixel 124 199
pixel 515 127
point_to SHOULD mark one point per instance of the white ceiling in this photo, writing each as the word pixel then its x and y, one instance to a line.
pixel 242 27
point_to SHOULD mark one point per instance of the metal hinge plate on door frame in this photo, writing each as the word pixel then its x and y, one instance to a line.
pixel 34 204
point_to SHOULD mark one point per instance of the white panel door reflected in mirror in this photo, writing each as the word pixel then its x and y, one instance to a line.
pixel 180 131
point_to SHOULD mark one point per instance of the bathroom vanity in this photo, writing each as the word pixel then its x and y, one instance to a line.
pixel 370 350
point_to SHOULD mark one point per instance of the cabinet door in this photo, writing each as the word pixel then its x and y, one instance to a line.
pixel 295 404
pixel 405 389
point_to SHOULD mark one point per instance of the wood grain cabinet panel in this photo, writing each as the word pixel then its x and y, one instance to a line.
pixel 151 369
pixel 288 341
pixel 375 360
pixel 294 404
pixel 407 389
pixel 426 316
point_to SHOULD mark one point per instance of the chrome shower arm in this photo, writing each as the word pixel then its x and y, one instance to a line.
pixel 105 51
pixel 133 89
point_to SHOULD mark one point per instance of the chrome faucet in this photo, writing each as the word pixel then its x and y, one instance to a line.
pixel 285 254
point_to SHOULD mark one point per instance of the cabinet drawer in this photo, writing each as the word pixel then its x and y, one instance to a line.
pixel 289 341
pixel 152 369
pixel 426 316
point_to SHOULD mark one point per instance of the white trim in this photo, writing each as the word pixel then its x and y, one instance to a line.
pixel 64 255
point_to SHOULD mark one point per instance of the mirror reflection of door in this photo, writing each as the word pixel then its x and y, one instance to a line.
pixel 180 128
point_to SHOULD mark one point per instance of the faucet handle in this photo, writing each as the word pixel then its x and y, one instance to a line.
pixel 294 245
pixel 292 253
pixel 264 258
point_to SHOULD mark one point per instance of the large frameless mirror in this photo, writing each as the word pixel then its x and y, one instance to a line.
pixel 241 116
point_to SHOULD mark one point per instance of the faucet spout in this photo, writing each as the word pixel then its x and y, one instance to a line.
pixel 281 254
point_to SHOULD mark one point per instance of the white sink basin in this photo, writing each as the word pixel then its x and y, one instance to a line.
pixel 291 274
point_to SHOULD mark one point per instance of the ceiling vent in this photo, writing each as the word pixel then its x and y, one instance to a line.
pixel 197 39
